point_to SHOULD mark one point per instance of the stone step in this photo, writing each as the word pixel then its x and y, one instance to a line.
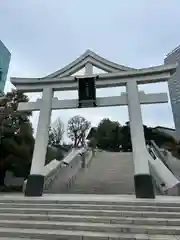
pixel 88 200
pixel 90 212
pixel 93 227
pixel 109 173
pixel 125 200
pixel 46 234
pixel 12 238
pixel 91 219
pixel 91 206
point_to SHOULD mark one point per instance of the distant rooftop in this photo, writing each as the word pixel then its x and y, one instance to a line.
pixel 173 51
pixel 171 129
pixel 2 44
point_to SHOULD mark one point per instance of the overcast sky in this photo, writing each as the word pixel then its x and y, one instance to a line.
pixel 44 36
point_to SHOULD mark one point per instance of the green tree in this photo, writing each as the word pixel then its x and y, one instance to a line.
pixel 16 136
pixel 108 135
pixel 77 129
pixel 161 138
pixel 56 132
pixel 150 133
pixel 126 138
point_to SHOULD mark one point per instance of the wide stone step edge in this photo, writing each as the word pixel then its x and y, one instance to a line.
pixel 92 206
pixel 75 235
pixel 129 202
pixel 93 212
pixel 92 219
pixel 93 227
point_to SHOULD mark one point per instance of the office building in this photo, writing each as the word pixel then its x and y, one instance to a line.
pixel 174 87
pixel 4 65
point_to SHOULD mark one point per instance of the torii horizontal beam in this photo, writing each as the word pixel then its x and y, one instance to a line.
pixel 121 100
pixel 142 76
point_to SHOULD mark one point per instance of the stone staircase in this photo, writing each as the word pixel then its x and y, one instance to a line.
pixel 85 217
pixel 108 173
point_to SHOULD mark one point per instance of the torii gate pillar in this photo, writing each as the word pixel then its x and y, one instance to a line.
pixel 142 178
pixel 35 180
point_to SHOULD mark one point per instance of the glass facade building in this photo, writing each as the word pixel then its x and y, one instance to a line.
pixel 4 65
pixel 174 87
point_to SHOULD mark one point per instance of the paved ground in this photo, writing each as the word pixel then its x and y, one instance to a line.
pixel 108 173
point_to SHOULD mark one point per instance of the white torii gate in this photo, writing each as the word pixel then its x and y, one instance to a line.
pixel 117 75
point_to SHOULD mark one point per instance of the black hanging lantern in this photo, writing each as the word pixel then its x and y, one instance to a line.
pixel 87 91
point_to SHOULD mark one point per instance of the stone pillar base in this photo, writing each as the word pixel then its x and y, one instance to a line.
pixel 144 186
pixel 34 186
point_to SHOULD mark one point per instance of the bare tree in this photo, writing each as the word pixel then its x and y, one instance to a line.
pixel 56 132
pixel 77 128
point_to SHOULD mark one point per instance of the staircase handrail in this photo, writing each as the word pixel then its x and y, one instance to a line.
pixel 171 162
pixel 65 176
pixel 52 169
pixel 167 183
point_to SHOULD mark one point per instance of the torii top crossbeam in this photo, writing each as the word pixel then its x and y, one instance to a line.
pixel 117 75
